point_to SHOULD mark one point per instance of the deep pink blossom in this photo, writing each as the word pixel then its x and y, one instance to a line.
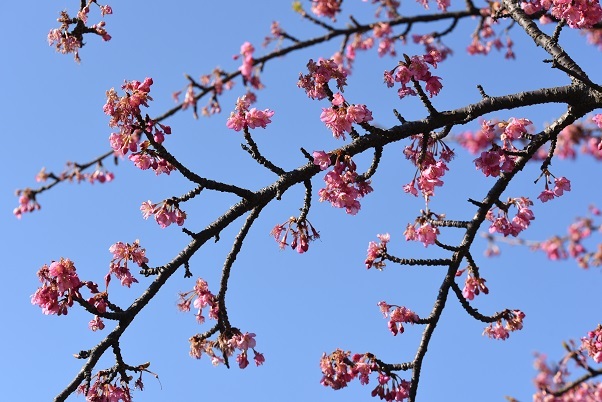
pixel 243 117
pixel 422 232
pixel 166 212
pixel 321 159
pixel 326 8
pixel 473 287
pixel 375 251
pixel 501 222
pixel 60 284
pixel 400 316
pixel 514 322
pixel 342 190
pixel 319 75
pixel 302 232
pixel 593 344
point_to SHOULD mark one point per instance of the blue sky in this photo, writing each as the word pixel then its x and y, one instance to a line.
pixel 298 305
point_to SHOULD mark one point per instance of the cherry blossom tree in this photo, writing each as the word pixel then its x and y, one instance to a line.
pixel 342 170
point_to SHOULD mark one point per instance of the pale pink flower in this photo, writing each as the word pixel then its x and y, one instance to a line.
pixel 326 8
pixel 258 118
pixel 96 324
pixel 546 195
pixel 561 184
pixel 359 114
pixel 336 120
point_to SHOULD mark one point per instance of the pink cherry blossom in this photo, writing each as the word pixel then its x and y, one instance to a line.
pixel 243 117
pixel 60 284
pixel 422 232
pixel 96 324
pixel 342 190
pixel 166 212
pixel 302 232
pixel 326 8
pixel 561 184
pixel 27 203
pixel 473 287
pixel 319 75
pixel 375 251
pixel 122 253
pixel 514 322
pixel 593 344
pixel 321 159
pixel 546 195
pixel 502 224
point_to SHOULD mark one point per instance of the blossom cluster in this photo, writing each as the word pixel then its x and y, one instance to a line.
pixel 485 38
pixel 148 158
pixel 70 42
pixel 555 377
pixel 496 160
pixel 200 297
pixel 342 186
pixel 581 137
pixel 490 130
pixel 415 68
pixel 165 212
pixel 126 115
pixel 27 203
pixel 376 250
pixel 104 390
pixel 60 284
pixel 521 221
pixel 243 117
pixel 301 231
pixel 473 286
pixel 73 173
pixel 577 13
pixel 561 184
pixel 514 322
pixel 592 344
pixel 423 231
pixel 397 317
pixel 99 301
pixel 122 253
pixel 326 8
pixel 340 117
pixel 228 346
pixel 249 75
pixel 315 82
pixel 339 368
pixel 431 164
